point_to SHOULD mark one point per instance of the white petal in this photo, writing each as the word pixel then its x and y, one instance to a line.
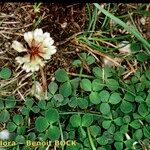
pixel 41 63
pixel 38 31
pixel 37 60
pixel 33 65
pixel 26 58
pixel 46 35
pixel 53 50
pixel 4 134
pixel 26 67
pixel 18 46
pixel 20 60
pixel 28 36
pixel 46 56
pixel 48 42
pixel 48 52
pixel 34 68
pixel 38 35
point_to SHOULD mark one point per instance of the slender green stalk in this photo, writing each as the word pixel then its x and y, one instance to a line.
pixel 95 19
pixel 92 19
pixel 36 7
pixel 61 133
pixel 90 139
pixel 76 112
pixel 81 75
pixel 128 28
pixel 102 37
pixel 89 14
pixel 132 21
pixel 105 20
pixel 81 70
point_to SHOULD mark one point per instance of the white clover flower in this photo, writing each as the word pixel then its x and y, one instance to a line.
pixel 4 134
pixel 124 47
pixel 38 50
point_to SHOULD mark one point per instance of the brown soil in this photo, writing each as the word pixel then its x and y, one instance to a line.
pixel 60 20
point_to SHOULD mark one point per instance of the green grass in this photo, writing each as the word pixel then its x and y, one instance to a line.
pixel 131 30
pixel 96 105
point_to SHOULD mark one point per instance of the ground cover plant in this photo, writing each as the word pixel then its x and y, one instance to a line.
pixel 74 77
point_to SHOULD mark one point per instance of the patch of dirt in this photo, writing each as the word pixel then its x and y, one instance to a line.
pixel 60 20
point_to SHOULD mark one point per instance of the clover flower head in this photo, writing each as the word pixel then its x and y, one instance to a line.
pixel 37 51
pixel 4 134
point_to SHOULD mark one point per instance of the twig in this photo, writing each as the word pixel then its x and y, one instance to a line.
pixel 5 36
pixel 7 16
pixel 9 22
pixel 6 28
pixel 13 33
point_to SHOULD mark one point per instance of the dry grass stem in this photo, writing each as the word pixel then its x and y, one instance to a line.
pixel 98 53
pixel 12 33
pixel 25 77
pixel 22 85
pixel 131 67
pixel 22 97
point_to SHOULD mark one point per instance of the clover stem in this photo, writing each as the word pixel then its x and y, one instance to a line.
pixel 61 133
pixel 90 139
pixel 44 82
pixel 81 75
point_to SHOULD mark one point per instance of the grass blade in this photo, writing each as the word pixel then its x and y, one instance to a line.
pixel 128 28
